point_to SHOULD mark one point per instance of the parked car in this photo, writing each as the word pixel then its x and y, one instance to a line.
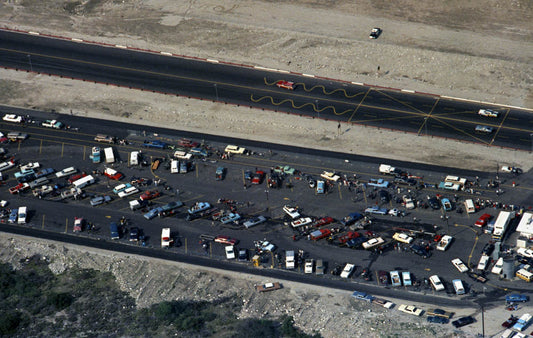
pixel 134 234
pixel 437 320
pixel 257 177
pixel 410 309
pixel 421 251
pixel 149 195
pixel 230 252
pixel 254 221
pixel 243 255
pixel 516 298
pixel 220 173
pixel 434 203
pixel 225 240
pixel 403 238
pixel 459 265
pixel 268 287
pixel 463 321
pixel 347 271
pixel 510 321
pixel 78 224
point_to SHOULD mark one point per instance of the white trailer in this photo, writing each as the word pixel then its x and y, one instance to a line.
pixel 109 155
pixel 84 181
pixel 501 224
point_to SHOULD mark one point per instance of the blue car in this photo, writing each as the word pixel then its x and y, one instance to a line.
pixel 446 204
pixel 155 144
pixel 152 213
pixel 13 216
pixel 516 298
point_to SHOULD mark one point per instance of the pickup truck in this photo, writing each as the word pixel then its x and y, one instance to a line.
pixel 52 124
pixel 444 242
pixel 199 206
pixel 309 265
pixel 268 287
pixel 331 176
pixel 319 234
pixel 362 296
pixel 351 218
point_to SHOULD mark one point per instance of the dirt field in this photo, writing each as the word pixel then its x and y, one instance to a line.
pixel 477 50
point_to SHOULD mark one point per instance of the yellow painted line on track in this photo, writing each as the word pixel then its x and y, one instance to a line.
pixel 359 105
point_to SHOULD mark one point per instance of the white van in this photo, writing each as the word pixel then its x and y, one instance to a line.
pixel 22 215
pixel 174 166
pixel 134 158
pixel 469 206
pixel 458 286
pixel 109 155
pixel 436 283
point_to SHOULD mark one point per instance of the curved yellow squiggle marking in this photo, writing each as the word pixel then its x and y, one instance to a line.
pixel 326 92
pixel 271 83
pixel 271 99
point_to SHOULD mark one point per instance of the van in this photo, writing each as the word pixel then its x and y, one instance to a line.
pixel 174 167
pixel 436 283
pixel 22 215
pixel 524 275
pixel 469 206
pixel 134 158
pixel 458 286
pixel 109 155
pixel 113 228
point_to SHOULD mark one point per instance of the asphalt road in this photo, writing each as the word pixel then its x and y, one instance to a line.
pixel 64 148
pixel 415 113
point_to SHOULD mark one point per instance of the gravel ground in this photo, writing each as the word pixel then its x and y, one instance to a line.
pixel 470 50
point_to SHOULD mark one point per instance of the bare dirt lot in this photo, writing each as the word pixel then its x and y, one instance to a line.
pixel 476 50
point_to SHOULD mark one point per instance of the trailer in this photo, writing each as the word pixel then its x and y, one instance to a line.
pixel 84 181
pixel 501 224
pixel 109 155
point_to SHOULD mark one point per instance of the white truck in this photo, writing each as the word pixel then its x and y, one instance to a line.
pixel 165 238
pixel 109 155
pixel 501 224
pixel 309 265
pixel 134 158
pixel 289 259
pixel 389 170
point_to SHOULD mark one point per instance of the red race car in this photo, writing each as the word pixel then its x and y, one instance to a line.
pixel 225 240
pixel 285 84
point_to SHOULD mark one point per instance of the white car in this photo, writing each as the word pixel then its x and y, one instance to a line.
pixel 444 242
pixel 484 129
pixel 509 169
pixel 459 265
pixel 373 243
pixel 483 262
pixel 52 124
pixel 436 283
pixel 525 252
pixel 66 172
pixel 329 175
pixel 403 238
pixel 291 211
pixel 409 203
pixel 498 267
pixel 309 264
pixel 410 309
pixel 488 113
pixel 301 222
pixel 348 269
pixel 13 118
pixel 230 252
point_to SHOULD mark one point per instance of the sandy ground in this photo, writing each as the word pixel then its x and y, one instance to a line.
pixel 463 49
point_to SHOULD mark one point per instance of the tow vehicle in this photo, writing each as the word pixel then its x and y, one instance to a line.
pixel 319 234
pixel 301 222
pixel 351 218
pixel 254 221
pixel 285 84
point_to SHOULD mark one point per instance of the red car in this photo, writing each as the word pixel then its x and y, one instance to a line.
pixel 75 177
pixel 482 221
pixel 285 84
pixel 510 322
pixel 113 174
pixel 184 142
pixel 350 235
pixel 225 240
pixel 324 221
pixel 148 195
pixel 257 178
